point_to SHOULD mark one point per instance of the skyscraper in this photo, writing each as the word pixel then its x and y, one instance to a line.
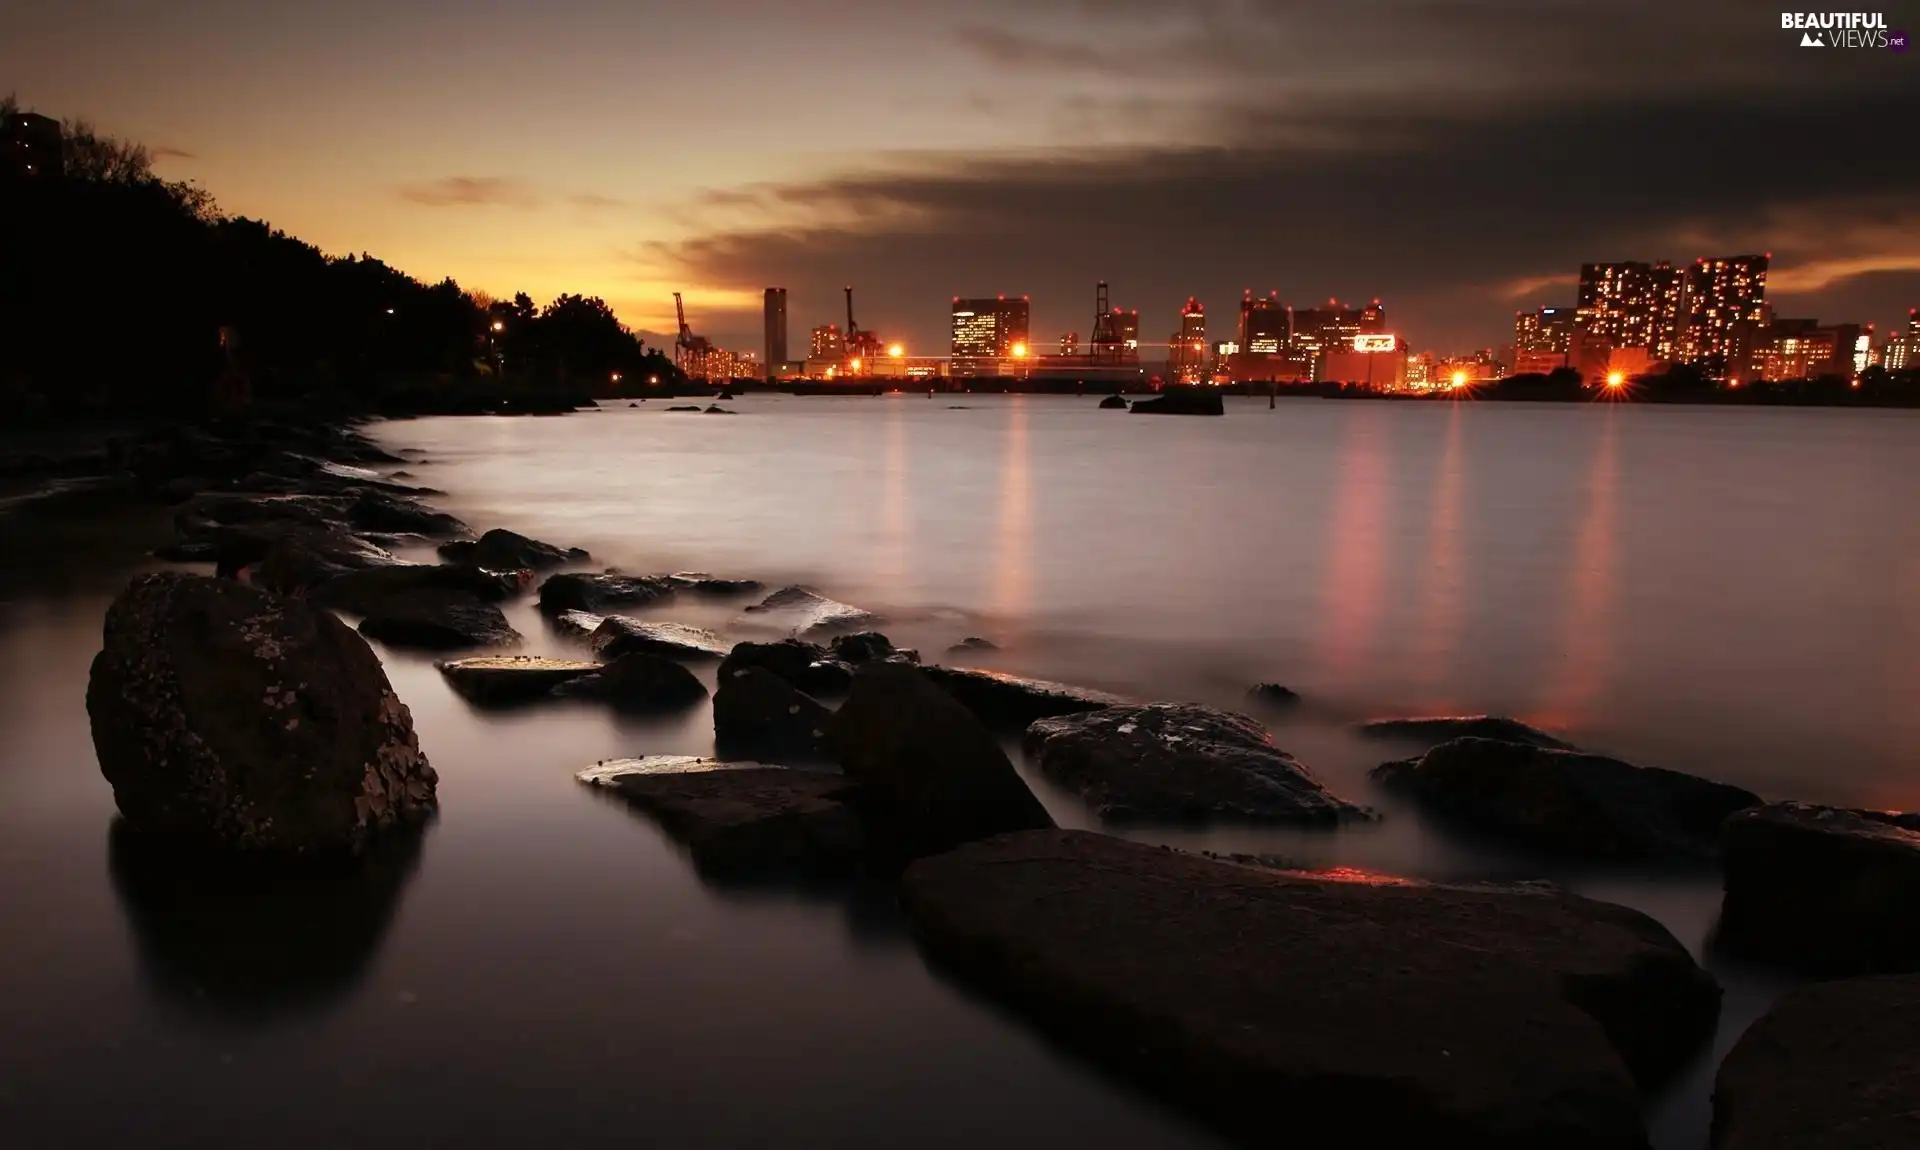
pixel 1719 294
pixel 1187 350
pixel 776 330
pixel 1542 340
pixel 985 329
pixel 1263 325
pixel 1617 303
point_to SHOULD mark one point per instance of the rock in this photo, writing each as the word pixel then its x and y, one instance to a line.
pixel 617 635
pixel 1569 803
pixel 498 680
pixel 1831 1065
pixel 375 511
pixel 870 647
pixel 1824 889
pixel 1272 696
pixel 584 591
pixel 189 551
pixel 1180 763
pixel 701 583
pixel 1113 403
pixel 801 612
pixel 457 551
pixel 1182 401
pixel 716 409
pixel 379 588
pixel 200 515
pixel 685 407
pixel 972 643
pixel 1432 732
pixel 638 681
pixel 742 819
pixel 575 624
pixel 507 551
pixel 226 715
pixel 805 665
pixel 291 558
pixel 941 776
pixel 1009 702
pixel 757 712
pixel 1394 1012
pixel 425 621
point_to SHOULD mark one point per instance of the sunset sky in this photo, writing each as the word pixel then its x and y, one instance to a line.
pixel 1456 158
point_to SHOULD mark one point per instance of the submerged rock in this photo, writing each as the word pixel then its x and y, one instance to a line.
pixel 742 819
pixel 617 635
pixel 1567 802
pixel 1433 731
pixel 803 613
pixel 1175 762
pixel 227 715
pixel 638 681
pixel 1272 696
pixel 584 591
pixel 496 680
pixel 803 664
pixel 757 712
pixel 379 588
pixel 1395 1013
pixel 1011 702
pixel 438 622
pixel 940 775
pixel 1822 888
pixel 508 551
pixel 870 647
pixel 1182 401
pixel 972 643
pixel 1114 403
pixel 701 583
pixel 1830 1066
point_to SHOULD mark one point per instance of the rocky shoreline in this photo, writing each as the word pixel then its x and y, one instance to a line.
pixel 239 713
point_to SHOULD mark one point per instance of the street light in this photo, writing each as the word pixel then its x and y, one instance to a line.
pixel 498 326
pixel 1616 379
pixel 895 351
pixel 1459 379
pixel 1019 351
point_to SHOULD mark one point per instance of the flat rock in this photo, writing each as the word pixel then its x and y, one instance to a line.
pixel 439 622
pixel 576 624
pixel 742 818
pixel 807 666
pixel 374 589
pixel 1434 730
pixel 1569 803
pixel 504 679
pixel 701 583
pixel 1354 1013
pixel 638 681
pixel 617 635
pixel 584 591
pixel 1825 889
pixel 1010 702
pixel 940 774
pixel 1830 1066
pixel 757 712
pixel 1175 762
pixel 805 614
pixel 504 550
pixel 380 511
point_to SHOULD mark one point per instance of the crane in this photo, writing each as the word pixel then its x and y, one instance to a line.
pixel 862 346
pixel 689 350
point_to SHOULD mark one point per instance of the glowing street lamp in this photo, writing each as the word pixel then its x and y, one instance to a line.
pixel 895 351
pixel 498 326
pixel 1459 379
pixel 616 377
pixel 1019 351
pixel 1616 379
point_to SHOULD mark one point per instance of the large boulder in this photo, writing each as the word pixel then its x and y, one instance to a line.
pixel 701 583
pixel 803 613
pixel 584 591
pixel 1433 730
pixel 379 511
pixel 450 621
pixel 504 550
pixel 1010 702
pixel 503 680
pixel 292 560
pixel 1175 762
pixel 1823 888
pixel 1182 401
pixel 638 681
pixel 807 666
pixel 617 635
pixel 367 591
pixel 869 647
pixel 755 712
pixel 1830 1066
pixel 1568 803
pixel 225 714
pixel 940 774
pixel 1362 1013
pixel 742 819
pixel 1114 403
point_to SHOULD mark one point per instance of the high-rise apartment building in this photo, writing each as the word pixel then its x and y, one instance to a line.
pixel 1263 325
pixel 776 330
pixel 1902 352
pixel 1542 340
pixel 1312 332
pixel 1720 294
pixel 1187 348
pixel 989 329
pixel 1618 303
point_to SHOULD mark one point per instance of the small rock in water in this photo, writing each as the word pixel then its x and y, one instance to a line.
pixel 1432 731
pixel 638 681
pixel 503 679
pixel 583 591
pixel 805 614
pixel 1011 702
pixel 439 623
pixel 807 666
pixel 972 643
pixel 508 551
pixel 1272 695
pixel 617 635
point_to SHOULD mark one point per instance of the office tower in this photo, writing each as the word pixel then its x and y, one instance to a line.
pixel 827 343
pixel 989 329
pixel 776 330
pixel 1187 348
pixel 1263 325
pixel 1719 294
pixel 1542 339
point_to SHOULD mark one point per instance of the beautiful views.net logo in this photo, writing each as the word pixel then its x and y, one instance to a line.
pixel 1843 30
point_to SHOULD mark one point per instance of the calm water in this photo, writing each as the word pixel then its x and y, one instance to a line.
pixel 1735 593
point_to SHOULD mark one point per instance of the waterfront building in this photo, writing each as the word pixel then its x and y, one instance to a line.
pixel 987 330
pixel 827 342
pixel 1542 339
pixel 1720 294
pixel 775 321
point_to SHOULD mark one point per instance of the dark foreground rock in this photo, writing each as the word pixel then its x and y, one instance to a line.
pixel 1349 1013
pixel 701 583
pixel 377 588
pixel 1174 762
pixel 807 666
pixel 380 511
pixel 638 681
pixel 1182 401
pixel 227 715
pixel 972 643
pixel 940 774
pixel 500 680
pixel 1114 403
pixel 290 558
pixel 583 591
pixel 1587 806
pixel 504 550
pixel 439 622
pixel 1830 1066
pixel 870 647
pixel 743 820
pixel 805 614
pixel 1009 702
pixel 1823 889
pixel 617 635
pixel 756 712
pixel 1433 731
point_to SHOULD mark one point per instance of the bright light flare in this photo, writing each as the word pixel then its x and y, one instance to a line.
pixel 895 351
pixel 498 326
pixel 1019 351
pixel 1459 379
pixel 1616 379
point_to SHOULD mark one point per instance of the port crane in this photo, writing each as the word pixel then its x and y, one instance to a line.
pixel 689 350
pixel 863 347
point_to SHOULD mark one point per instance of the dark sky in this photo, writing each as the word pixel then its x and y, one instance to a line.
pixel 1457 158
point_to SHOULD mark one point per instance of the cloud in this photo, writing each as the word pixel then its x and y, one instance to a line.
pixel 588 201
pixel 469 191
pixel 1004 49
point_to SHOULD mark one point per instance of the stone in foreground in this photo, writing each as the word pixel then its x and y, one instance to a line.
pixel 227 715
pixel 870 647
pixel 428 622
pixel 742 819
pixel 701 583
pixel 504 550
pixel 806 614
pixel 369 591
pixel 498 680
pixel 757 712
pixel 584 591
pixel 1175 762
pixel 1830 1066
pixel 1569 803
pixel 1822 888
pixel 806 665
pixel 1433 731
pixel 1009 702
pixel 941 775
pixel 638 681
pixel 617 635
pixel 1388 1013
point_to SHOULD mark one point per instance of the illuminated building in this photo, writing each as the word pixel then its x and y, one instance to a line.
pixel 1719 294
pixel 1902 352
pixel 1263 325
pixel 1375 359
pixel 1070 343
pixel 1669 293
pixel 1187 348
pixel 1803 349
pixel 1420 374
pixel 1542 340
pixel 1314 332
pixel 827 343
pixel 31 147
pixel 776 329
pixel 1126 325
pixel 988 329
pixel 1617 303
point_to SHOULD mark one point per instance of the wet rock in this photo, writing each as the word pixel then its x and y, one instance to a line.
pixel 1436 730
pixel 1830 1066
pixel 803 613
pixel 805 665
pixel 701 583
pixel 1823 889
pixel 227 715
pixel 204 513
pixel 686 407
pixel 424 621
pixel 584 591
pixel 1272 696
pixel 1113 403
pixel 1393 1012
pixel 575 624
pixel 638 681
pixel 500 680
pixel 379 588
pixel 507 551
pixel 870 647
pixel 1182 401
pixel 1009 702
pixel 742 819
pixel 756 712
pixel 941 776
pixel 972 643
pixel 377 511
pixel 293 559
pixel 189 551
pixel 617 635
pixel 1175 762
pixel 1569 803
pixel 716 409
